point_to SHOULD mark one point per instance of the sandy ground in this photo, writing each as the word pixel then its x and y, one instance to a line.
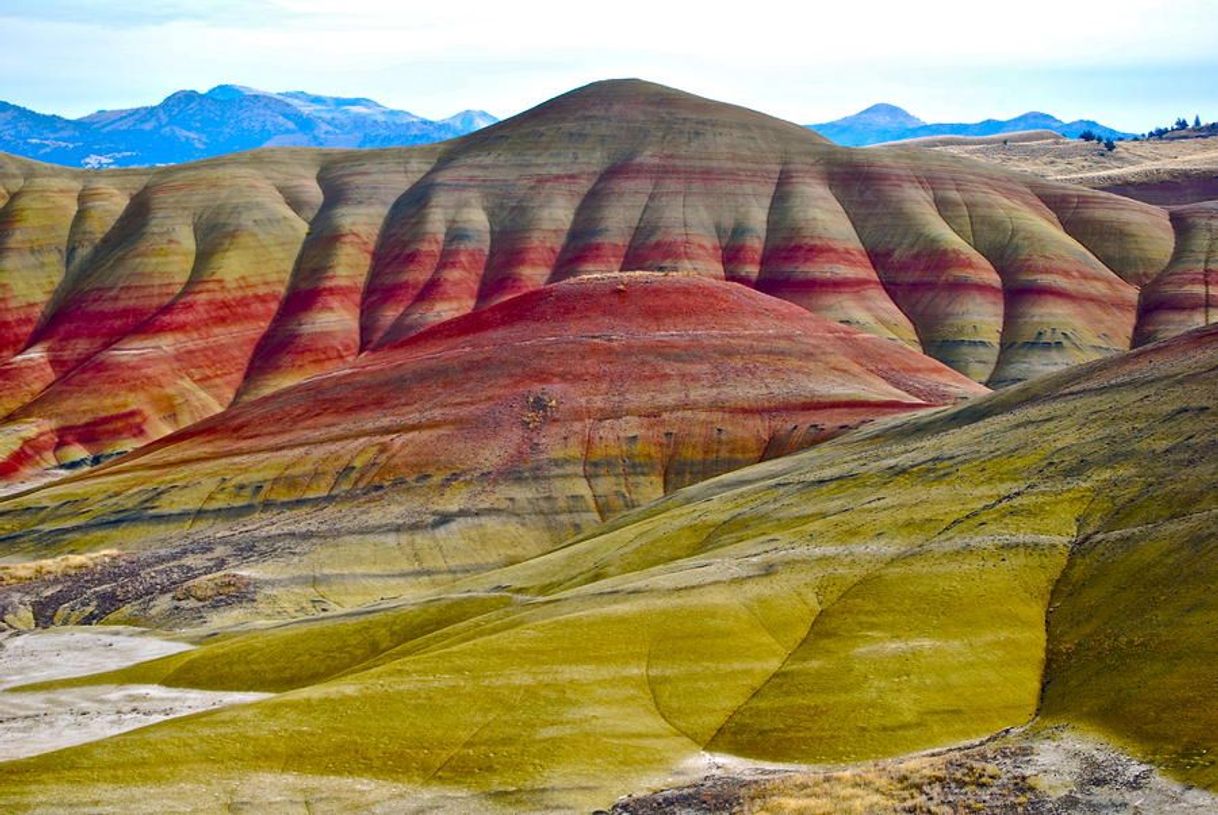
pixel 1090 164
pixel 42 721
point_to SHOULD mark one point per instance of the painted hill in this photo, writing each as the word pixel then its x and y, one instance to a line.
pixel 608 443
pixel 137 303
pixel 1034 554
pixel 479 442
pixel 189 125
pixel 888 123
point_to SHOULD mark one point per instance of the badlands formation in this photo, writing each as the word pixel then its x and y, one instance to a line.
pixel 136 303
pixel 634 435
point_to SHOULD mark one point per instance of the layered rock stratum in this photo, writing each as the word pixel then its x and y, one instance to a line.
pixel 478 442
pixel 136 303
pixel 632 436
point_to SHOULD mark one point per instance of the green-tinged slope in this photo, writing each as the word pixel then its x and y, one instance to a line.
pixel 881 593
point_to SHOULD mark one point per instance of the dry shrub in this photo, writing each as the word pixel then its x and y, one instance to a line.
pixel 214 587
pixel 921 786
pixel 62 566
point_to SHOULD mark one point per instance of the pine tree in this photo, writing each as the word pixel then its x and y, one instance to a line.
pixel 1197 120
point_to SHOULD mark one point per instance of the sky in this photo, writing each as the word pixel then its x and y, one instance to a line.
pixel 1130 65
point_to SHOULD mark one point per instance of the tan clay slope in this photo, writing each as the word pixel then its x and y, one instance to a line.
pixel 881 593
pixel 134 304
pixel 1164 172
pixel 479 442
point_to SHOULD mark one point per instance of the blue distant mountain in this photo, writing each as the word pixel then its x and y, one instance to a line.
pixel 883 123
pixel 189 125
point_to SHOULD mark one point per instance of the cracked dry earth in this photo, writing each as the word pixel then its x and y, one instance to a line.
pixel 1050 771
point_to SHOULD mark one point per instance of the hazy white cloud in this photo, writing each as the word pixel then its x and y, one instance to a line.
pixel 808 62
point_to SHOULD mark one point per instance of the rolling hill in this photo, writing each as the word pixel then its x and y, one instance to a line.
pixel 631 437
pixel 188 125
pixel 1170 171
pixel 481 441
pixel 1033 554
pixel 137 303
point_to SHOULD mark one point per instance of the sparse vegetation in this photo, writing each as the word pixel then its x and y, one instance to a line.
pixel 933 785
pixel 214 587
pixel 56 567
pixel 1180 124
pixel 1172 170
pixel 1052 771
pixel 538 408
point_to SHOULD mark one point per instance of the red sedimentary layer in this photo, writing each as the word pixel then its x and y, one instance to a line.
pixel 519 425
pixel 178 293
pixel 1185 295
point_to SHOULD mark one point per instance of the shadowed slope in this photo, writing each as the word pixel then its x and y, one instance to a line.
pixel 1185 295
pixel 190 288
pixel 476 443
pixel 881 593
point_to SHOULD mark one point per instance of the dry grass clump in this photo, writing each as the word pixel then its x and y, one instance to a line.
pixel 214 587
pixel 62 566
pixel 538 408
pixel 936 785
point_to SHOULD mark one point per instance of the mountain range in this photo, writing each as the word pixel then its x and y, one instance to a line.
pixel 884 123
pixel 189 125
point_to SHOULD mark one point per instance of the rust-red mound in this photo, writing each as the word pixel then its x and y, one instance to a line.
pixel 481 441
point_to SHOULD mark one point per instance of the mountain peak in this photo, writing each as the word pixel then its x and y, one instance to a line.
pixel 224 93
pixel 883 113
pixel 470 119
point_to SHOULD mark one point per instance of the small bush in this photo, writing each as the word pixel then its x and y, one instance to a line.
pixel 226 585
pixel 56 567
